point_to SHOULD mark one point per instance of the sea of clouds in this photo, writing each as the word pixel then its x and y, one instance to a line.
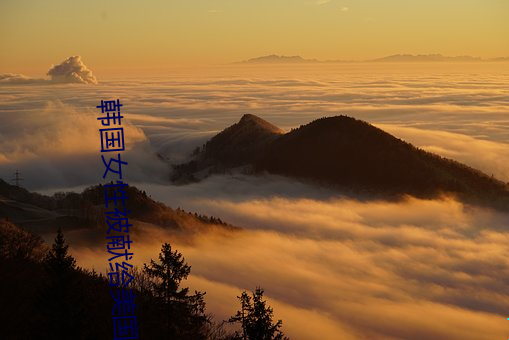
pixel 333 267
pixel 459 113
pixel 337 268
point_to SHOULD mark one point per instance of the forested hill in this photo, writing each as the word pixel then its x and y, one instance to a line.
pixel 348 154
pixel 43 214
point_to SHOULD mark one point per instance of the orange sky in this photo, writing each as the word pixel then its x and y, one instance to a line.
pixel 134 35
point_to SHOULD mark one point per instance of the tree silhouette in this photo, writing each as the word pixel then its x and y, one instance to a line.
pixel 185 313
pixel 61 300
pixel 58 259
pixel 255 317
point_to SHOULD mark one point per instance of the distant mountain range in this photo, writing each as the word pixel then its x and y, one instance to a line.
pixel 344 153
pixel 280 59
pixel 426 58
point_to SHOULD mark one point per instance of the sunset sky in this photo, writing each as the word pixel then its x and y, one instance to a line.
pixel 136 35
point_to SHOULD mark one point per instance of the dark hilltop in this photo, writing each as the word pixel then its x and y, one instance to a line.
pixel 345 153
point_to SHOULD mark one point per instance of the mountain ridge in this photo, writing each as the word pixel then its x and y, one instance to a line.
pixel 351 155
pixel 42 214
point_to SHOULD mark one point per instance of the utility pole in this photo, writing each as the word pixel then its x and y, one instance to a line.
pixel 17 178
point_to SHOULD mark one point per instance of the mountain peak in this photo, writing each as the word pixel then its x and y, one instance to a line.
pixel 249 117
pixel 241 142
pixel 254 122
pixel 237 145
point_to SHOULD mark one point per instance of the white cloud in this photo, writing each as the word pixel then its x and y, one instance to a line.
pixel 72 70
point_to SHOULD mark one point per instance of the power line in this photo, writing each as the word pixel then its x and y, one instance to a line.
pixel 17 178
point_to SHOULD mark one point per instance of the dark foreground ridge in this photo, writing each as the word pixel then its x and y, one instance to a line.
pixel 345 153
pixel 45 294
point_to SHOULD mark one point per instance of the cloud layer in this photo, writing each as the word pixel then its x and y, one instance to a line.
pixel 454 112
pixel 339 268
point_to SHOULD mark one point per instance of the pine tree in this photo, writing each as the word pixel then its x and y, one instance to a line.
pixel 58 259
pixel 255 317
pixel 60 301
pixel 185 314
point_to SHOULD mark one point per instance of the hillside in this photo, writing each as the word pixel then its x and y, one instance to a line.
pixel 62 299
pixel 44 214
pixel 352 156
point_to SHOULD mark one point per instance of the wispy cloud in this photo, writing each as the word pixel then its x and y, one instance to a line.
pixel 18 79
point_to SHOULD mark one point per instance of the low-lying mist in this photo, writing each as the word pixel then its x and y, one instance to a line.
pixel 341 268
